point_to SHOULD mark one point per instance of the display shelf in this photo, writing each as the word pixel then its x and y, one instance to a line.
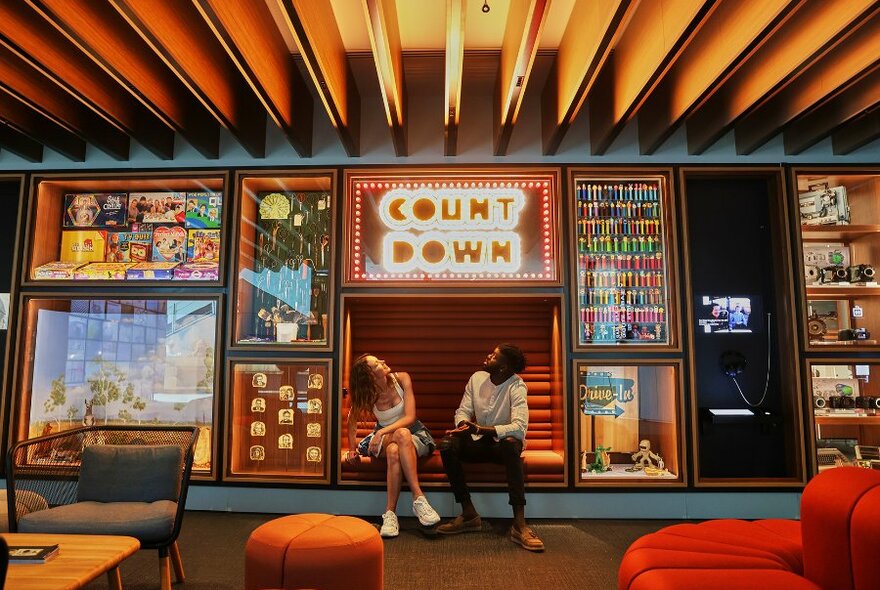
pixel 846 420
pixel 841 233
pixel 622 252
pixel 141 230
pixel 842 292
pixel 283 283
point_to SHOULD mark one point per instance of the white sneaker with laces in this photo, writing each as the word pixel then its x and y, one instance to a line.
pixel 390 526
pixel 427 516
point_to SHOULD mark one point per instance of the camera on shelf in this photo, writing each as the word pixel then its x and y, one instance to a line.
pixel 834 274
pixel 868 402
pixel 861 273
pixel 853 334
pixel 824 205
pixel 841 402
pixel 819 402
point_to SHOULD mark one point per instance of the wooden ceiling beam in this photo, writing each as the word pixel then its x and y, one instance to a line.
pixel 19 144
pixel 454 65
pixel 35 42
pixel 648 46
pixel 733 32
pixel 839 69
pixel 18 79
pixel 248 33
pixel 384 33
pixel 41 129
pixel 858 99
pixel 313 26
pixel 857 133
pixel 814 30
pixel 584 48
pixel 525 21
pixel 97 30
pixel 178 35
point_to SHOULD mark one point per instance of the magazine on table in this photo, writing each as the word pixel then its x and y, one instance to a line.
pixel 32 553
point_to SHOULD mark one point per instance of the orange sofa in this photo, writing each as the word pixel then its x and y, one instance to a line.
pixel 833 547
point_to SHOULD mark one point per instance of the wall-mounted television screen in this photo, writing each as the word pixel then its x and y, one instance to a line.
pixel 725 314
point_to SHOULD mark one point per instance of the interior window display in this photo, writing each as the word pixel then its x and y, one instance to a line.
pixel 840 234
pixel 120 361
pixel 622 261
pixel 284 268
pixel 279 420
pixel 628 423
pixel 846 414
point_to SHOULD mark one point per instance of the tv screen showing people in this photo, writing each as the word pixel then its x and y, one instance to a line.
pixel 725 314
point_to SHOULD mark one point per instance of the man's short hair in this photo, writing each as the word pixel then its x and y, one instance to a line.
pixel 514 356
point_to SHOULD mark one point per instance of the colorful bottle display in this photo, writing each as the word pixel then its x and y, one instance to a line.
pixel 621 263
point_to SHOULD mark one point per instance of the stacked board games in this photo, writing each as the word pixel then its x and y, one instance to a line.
pixel 621 262
pixel 138 236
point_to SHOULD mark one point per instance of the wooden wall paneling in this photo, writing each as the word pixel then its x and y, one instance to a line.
pixel 314 28
pixel 525 21
pixel 454 65
pixel 651 42
pixel 856 133
pixel 861 97
pixel 253 42
pixel 384 33
pixel 179 37
pixel 731 34
pixel 18 79
pixel 19 144
pixel 33 41
pixel 584 48
pixel 810 33
pixel 839 69
pixel 40 128
pixel 102 34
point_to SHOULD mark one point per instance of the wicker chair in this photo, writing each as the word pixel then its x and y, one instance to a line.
pixel 111 480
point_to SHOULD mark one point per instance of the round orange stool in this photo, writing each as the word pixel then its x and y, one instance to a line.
pixel 314 551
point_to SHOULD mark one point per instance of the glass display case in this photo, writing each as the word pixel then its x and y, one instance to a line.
pixel 628 423
pixel 149 228
pixel 105 360
pixel 278 426
pixel 284 276
pixel 846 413
pixel 621 229
pixel 839 223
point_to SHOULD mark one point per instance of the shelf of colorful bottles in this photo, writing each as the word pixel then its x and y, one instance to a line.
pixel 614 296
pixel 619 332
pixel 622 314
pixel 640 279
pixel 615 262
pixel 620 227
pixel 615 245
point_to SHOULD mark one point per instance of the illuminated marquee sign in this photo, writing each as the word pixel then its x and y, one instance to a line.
pixel 461 229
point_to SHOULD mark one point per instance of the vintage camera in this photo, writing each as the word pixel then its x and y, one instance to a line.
pixel 834 274
pixel 861 273
pixel 868 402
pixel 825 206
pixel 853 334
pixel 819 402
pixel 841 402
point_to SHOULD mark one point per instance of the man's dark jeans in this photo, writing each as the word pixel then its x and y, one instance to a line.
pixel 462 448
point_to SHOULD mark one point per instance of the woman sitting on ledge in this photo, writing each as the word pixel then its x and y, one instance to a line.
pixel 399 437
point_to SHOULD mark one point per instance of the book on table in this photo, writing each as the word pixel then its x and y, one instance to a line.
pixel 32 553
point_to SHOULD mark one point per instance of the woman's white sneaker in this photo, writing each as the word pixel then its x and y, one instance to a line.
pixel 390 526
pixel 427 516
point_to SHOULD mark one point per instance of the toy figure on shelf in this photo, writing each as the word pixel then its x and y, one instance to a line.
pixel 602 463
pixel 645 458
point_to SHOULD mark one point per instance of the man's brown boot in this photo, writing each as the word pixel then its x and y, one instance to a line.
pixel 526 538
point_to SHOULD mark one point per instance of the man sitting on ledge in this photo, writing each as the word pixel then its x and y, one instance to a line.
pixel 491 424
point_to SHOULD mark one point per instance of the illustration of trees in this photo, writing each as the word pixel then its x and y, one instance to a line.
pixel 57 399
pixel 107 386
pixel 130 400
pixel 72 413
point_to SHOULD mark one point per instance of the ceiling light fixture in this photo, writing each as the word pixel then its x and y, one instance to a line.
pixel 485 7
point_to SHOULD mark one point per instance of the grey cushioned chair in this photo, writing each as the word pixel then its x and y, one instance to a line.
pixel 110 480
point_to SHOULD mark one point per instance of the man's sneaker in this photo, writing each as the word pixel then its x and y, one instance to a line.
pixel 460 525
pixel 527 539
pixel 427 516
pixel 390 526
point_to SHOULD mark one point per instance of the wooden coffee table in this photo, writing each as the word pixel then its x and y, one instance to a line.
pixel 81 559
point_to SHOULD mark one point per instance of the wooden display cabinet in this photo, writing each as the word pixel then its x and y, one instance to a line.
pixel 629 423
pixel 846 412
pixel 624 263
pixel 278 420
pixel 283 282
pixel 99 358
pixel 48 215
pixel 839 238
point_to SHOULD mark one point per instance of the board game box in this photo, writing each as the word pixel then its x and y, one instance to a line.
pixel 151 270
pixel 107 271
pixel 204 210
pixel 197 271
pixel 56 270
pixel 83 245
pixel 101 210
pixel 129 246
pixel 156 207
pixel 203 245
pixel 169 243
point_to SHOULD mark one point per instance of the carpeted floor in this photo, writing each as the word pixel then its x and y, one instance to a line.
pixel 581 554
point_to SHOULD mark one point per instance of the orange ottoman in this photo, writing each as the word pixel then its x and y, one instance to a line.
pixel 314 551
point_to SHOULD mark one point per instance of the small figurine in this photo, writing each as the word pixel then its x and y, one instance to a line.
pixel 645 457
pixel 602 463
